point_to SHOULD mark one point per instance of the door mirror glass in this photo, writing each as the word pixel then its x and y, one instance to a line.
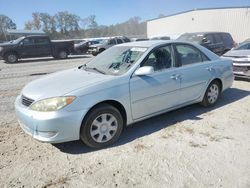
pixel 143 71
pixel 206 41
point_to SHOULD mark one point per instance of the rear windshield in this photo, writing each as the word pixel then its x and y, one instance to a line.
pixel 197 38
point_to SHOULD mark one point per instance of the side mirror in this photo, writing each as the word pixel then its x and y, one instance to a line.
pixel 142 71
pixel 21 44
pixel 206 41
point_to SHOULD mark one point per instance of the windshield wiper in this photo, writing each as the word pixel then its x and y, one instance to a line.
pixel 92 68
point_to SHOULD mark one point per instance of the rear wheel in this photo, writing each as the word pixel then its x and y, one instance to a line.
pixel 11 58
pixel 62 54
pixel 212 94
pixel 102 126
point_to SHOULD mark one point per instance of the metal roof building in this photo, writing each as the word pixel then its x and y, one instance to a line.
pixel 14 33
pixel 235 20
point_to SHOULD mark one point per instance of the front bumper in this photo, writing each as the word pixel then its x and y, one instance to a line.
pixel 241 69
pixel 51 127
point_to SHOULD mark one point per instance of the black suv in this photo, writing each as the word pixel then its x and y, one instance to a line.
pixel 217 42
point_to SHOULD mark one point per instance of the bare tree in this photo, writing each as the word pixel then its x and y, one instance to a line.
pixel 5 23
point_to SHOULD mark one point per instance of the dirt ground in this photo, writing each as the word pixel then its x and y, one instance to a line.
pixel 189 147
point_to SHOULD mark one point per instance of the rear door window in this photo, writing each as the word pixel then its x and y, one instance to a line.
pixel 41 41
pixel 187 55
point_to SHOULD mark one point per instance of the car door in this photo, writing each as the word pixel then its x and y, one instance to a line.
pixel 111 42
pixel 195 71
pixel 43 46
pixel 156 92
pixel 27 48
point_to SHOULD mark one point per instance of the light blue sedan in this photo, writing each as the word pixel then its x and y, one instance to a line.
pixel 125 84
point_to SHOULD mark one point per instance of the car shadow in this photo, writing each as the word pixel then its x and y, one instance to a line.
pixel 242 79
pixel 33 60
pixel 159 122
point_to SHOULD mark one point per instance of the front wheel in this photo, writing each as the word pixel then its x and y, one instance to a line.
pixel 11 58
pixel 212 94
pixel 102 126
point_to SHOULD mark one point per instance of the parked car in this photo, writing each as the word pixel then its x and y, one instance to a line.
pixel 217 42
pixel 161 38
pixel 125 84
pixel 138 39
pixel 35 46
pixel 83 47
pixel 105 44
pixel 241 60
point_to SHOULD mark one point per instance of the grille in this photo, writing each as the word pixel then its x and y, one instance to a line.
pixel 26 101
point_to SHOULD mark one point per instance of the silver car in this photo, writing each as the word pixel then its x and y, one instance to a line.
pixel 125 84
pixel 241 60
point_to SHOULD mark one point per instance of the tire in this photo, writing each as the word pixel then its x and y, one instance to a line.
pixel 101 50
pixel 11 57
pixel 94 53
pixel 62 54
pixel 212 94
pixel 102 126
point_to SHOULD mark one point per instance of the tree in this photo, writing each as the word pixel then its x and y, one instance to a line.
pixel 35 23
pixel 92 24
pixel 5 23
pixel 67 22
pixel 48 23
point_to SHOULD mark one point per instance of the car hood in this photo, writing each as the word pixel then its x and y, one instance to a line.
pixel 62 83
pixel 7 44
pixel 237 53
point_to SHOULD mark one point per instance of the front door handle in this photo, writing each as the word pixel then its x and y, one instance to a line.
pixel 210 68
pixel 175 76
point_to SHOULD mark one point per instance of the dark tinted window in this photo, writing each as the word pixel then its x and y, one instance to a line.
pixel 217 38
pixel 227 39
pixel 160 58
pixel 112 41
pixel 28 41
pixel 40 41
pixel 119 41
pixel 209 38
pixel 187 55
pixel 126 39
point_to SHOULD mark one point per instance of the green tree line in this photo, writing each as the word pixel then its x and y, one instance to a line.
pixel 65 25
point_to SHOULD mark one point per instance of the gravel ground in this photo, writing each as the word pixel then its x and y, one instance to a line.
pixel 189 147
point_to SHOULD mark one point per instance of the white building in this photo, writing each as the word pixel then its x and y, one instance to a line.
pixel 234 20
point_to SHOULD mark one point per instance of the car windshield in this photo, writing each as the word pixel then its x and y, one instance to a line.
pixel 191 37
pixel 116 60
pixel 17 40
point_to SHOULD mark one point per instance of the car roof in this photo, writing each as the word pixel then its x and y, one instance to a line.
pixel 153 43
pixel 208 32
pixel 147 44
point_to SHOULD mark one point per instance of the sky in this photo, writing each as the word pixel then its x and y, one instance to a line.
pixel 108 11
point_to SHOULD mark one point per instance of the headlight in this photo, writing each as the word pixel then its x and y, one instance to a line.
pixel 52 104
